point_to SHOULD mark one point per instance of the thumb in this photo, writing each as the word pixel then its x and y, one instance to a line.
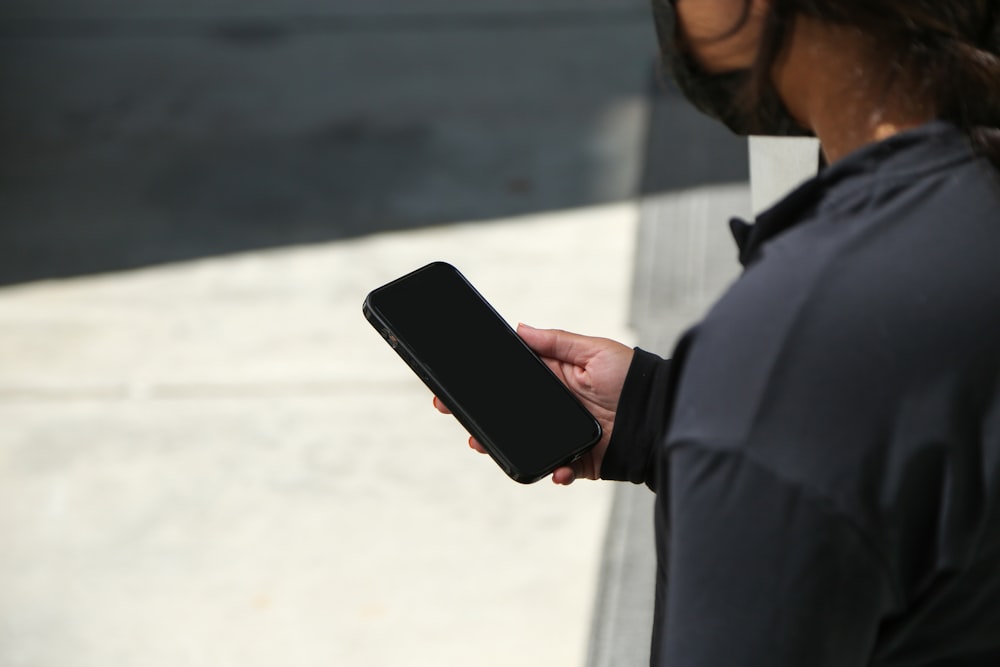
pixel 557 344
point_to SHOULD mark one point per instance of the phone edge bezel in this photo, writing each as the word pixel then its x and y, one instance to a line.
pixel 427 377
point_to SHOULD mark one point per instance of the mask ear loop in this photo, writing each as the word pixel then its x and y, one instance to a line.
pixel 732 98
pixel 762 89
pixel 702 90
pixel 744 17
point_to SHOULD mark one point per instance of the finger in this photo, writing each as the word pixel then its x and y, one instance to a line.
pixel 476 446
pixel 564 476
pixel 441 407
pixel 558 344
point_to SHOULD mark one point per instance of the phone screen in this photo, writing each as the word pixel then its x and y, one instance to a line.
pixel 478 365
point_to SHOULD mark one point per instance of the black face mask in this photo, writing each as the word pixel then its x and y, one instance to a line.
pixel 718 95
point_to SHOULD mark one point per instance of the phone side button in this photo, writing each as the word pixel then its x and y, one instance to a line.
pixel 414 366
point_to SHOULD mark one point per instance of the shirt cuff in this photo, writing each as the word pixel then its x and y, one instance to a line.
pixel 641 421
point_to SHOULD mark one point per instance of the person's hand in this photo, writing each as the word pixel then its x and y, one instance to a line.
pixel 594 369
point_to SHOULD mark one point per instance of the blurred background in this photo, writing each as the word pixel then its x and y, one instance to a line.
pixel 207 457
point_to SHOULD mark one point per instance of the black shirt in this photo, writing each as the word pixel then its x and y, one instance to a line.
pixel 825 444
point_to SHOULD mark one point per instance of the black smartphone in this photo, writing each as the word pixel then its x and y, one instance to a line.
pixel 473 361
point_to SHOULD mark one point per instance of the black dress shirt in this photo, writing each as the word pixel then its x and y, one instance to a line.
pixel 825 444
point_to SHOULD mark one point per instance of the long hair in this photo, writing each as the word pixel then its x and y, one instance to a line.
pixel 944 52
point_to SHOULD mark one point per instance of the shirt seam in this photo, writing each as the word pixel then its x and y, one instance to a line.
pixel 836 204
pixel 822 501
pixel 819 277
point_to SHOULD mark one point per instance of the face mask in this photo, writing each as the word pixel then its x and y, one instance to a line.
pixel 717 95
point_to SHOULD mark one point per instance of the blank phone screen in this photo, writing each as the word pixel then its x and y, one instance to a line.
pixel 483 369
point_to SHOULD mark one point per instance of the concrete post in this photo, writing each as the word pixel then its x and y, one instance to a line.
pixel 778 165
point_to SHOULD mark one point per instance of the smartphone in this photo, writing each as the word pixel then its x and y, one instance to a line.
pixel 477 365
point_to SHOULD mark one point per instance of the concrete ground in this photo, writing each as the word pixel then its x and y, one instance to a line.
pixel 206 455
pixel 220 463
pixel 141 133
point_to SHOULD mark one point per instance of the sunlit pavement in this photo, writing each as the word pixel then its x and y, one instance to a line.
pixel 207 457
pixel 220 463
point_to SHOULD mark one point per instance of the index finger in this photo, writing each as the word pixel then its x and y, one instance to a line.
pixel 557 344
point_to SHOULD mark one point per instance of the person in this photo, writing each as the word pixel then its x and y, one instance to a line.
pixel 825 444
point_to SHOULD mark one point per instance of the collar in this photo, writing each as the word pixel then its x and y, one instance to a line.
pixel 907 155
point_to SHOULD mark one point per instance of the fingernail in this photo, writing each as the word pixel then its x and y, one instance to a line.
pixel 522 325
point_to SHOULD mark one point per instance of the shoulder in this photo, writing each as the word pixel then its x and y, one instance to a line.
pixel 843 317
pixel 894 285
pixel 859 358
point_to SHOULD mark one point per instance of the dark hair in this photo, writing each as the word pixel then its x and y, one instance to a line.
pixel 947 52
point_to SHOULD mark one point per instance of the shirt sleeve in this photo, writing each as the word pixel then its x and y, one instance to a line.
pixel 762 574
pixel 640 422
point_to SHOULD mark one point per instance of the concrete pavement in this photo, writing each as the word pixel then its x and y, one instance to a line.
pixel 215 461
pixel 143 133
pixel 206 455
pixel 219 463
pixel 249 9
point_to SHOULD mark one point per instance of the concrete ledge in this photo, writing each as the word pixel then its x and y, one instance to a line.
pixel 695 178
pixel 627 585
pixel 685 258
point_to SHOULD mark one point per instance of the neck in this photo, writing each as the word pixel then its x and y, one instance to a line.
pixel 829 84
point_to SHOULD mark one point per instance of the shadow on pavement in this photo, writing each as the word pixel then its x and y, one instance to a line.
pixel 143 140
